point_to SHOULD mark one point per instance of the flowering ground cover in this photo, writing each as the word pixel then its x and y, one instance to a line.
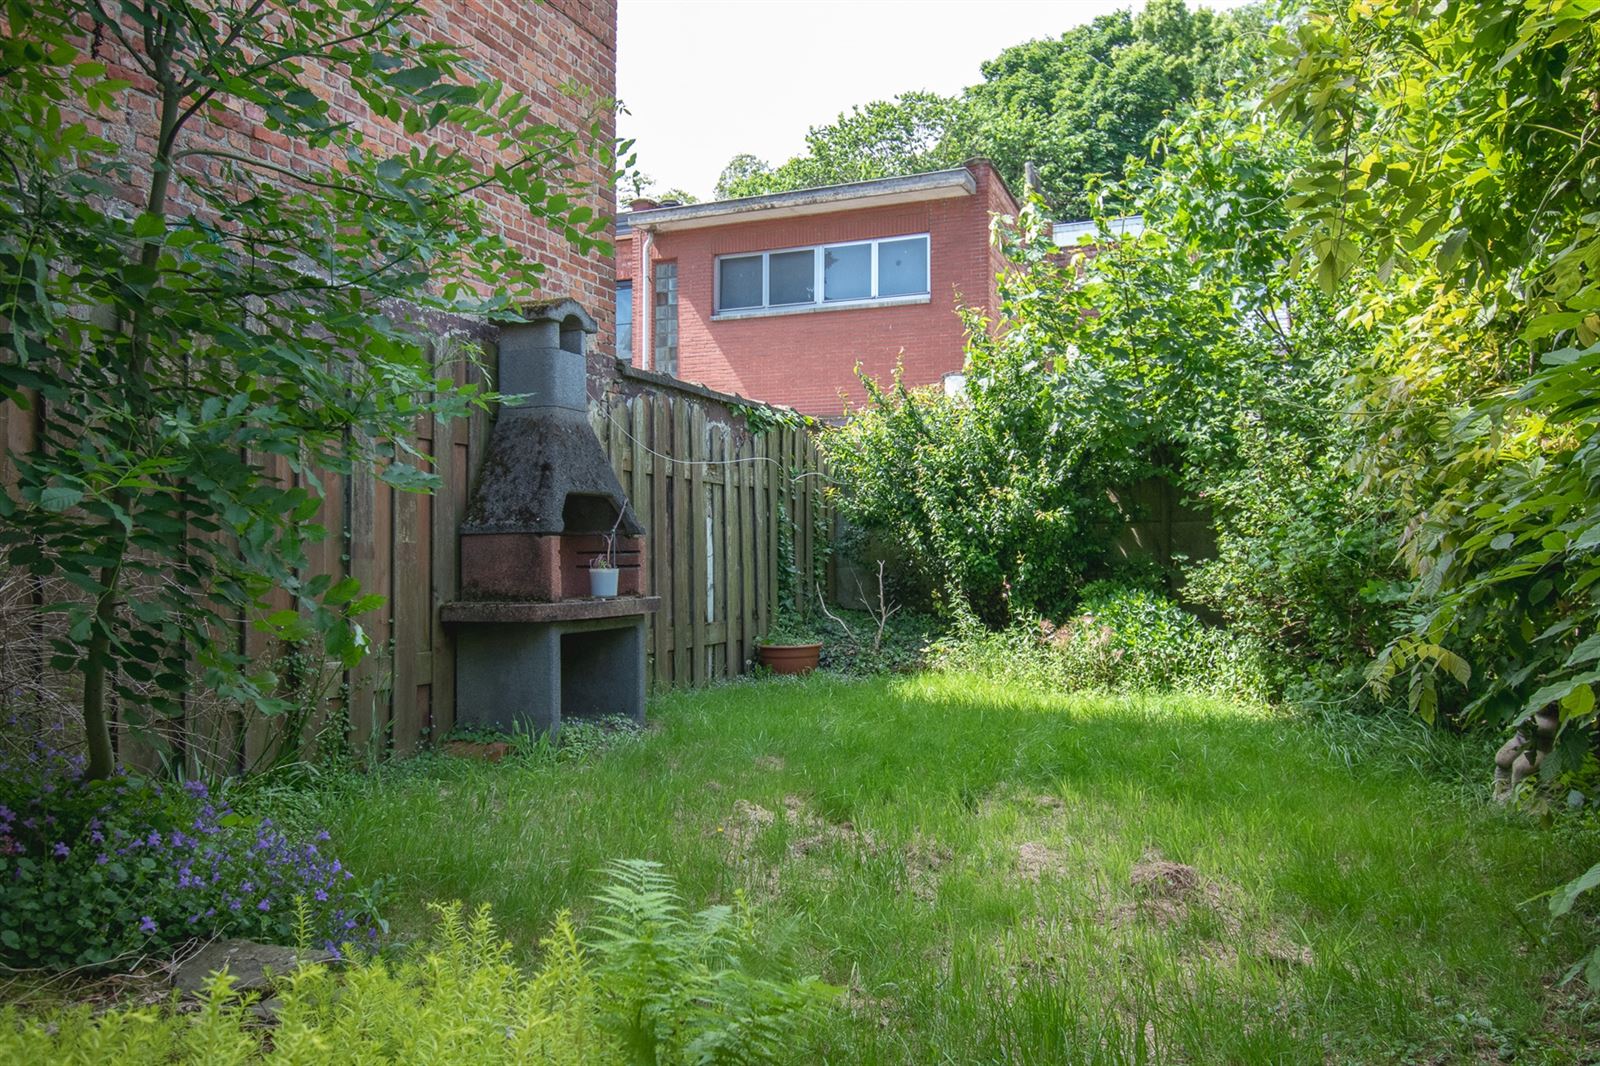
pixel 99 873
pixel 997 872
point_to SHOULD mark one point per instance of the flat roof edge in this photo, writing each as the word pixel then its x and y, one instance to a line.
pixel 958 181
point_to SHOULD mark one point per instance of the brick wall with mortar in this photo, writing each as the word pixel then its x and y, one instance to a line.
pixel 807 360
pixel 561 54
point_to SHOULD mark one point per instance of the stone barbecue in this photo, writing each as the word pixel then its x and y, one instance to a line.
pixel 533 647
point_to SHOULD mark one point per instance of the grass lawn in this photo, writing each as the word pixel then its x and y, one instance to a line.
pixel 1001 875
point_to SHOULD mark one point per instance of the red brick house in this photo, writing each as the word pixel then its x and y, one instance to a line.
pixel 779 297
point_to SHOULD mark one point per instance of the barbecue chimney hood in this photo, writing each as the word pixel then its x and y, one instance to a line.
pixel 546 494
pixel 545 472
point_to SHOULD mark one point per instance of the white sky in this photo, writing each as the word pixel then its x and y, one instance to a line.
pixel 703 80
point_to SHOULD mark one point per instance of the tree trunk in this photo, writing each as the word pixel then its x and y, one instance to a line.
pixel 96 724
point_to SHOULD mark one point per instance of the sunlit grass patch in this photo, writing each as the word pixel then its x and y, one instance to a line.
pixel 997 872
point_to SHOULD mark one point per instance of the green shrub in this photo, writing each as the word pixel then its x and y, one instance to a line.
pixel 1305 557
pixel 656 986
pixel 1119 638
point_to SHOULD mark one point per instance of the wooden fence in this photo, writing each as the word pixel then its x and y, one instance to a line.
pixel 714 499
pixel 709 493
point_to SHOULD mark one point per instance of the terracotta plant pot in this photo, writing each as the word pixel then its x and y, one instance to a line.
pixel 603 581
pixel 789 658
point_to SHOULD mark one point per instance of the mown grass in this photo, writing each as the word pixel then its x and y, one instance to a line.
pixel 960 853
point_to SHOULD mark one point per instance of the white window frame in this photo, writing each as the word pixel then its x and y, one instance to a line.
pixel 819 301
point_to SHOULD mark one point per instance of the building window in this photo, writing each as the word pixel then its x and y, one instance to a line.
pixel 847 272
pixel 625 321
pixel 903 267
pixel 741 281
pixel 792 278
pixel 830 274
pixel 664 318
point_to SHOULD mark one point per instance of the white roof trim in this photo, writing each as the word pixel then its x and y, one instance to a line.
pixel 939 185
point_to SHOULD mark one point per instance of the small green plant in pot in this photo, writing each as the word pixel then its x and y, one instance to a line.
pixel 603 577
pixel 603 567
pixel 791 646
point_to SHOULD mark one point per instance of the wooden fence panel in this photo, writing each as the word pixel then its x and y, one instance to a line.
pixel 660 544
pixel 706 490
pixel 708 495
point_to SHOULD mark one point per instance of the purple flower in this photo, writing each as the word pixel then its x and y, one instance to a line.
pixel 216 869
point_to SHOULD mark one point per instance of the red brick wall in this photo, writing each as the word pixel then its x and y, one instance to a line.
pixel 808 360
pixel 535 48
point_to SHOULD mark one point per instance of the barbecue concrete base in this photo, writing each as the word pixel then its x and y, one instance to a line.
pixel 535 675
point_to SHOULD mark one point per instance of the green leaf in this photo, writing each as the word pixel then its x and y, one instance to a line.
pixel 1564 897
pixel 60 498
pixel 1586 651
pixel 342 592
pixel 407 477
pixel 1579 702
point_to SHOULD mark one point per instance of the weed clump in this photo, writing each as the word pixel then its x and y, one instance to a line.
pixel 1118 638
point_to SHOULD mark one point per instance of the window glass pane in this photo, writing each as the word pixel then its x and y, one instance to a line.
pixel 625 321
pixel 741 282
pixel 903 267
pixel 792 278
pixel 847 272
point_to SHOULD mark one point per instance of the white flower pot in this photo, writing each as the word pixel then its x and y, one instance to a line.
pixel 603 581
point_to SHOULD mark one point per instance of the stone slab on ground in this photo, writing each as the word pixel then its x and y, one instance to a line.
pixel 248 962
